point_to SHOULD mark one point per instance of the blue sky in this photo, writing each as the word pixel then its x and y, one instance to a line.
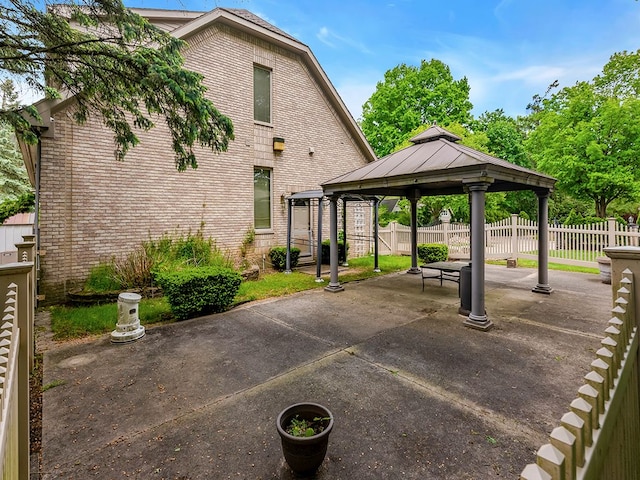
pixel 509 50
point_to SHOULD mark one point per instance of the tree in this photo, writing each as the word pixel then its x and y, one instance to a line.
pixel 112 63
pixel 14 180
pixel 9 207
pixel 409 97
pixel 506 140
pixel 586 135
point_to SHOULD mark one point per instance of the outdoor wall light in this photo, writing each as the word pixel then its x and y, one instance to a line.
pixel 278 144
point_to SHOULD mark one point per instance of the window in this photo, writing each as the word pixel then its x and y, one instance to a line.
pixel 261 94
pixel 261 198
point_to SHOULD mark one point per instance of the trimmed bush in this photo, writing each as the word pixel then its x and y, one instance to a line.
pixel 326 251
pixel 278 257
pixel 433 252
pixel 193 292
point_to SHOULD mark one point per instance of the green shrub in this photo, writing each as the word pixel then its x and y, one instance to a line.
pixel 134 270
pixel 193 292
pixel 102 279
pixel 11 206
pixel 326 251
pixel 576 219
pixel 193 250
pixel 278 257
pixel 433 252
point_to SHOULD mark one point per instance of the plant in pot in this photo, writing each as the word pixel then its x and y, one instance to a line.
pixel 304 429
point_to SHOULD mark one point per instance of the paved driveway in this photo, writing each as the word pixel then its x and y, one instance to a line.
pixel 414 393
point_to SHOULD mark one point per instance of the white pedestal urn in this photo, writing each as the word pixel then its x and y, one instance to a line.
pixel 128 327
pixel 604 264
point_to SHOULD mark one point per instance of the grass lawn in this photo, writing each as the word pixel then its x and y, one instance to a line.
pixel 552 266
pixel 74 322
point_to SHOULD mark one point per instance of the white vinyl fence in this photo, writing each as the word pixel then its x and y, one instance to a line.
pixel 516 237
pixel 12 233
pixel 599 436
pixel 17 297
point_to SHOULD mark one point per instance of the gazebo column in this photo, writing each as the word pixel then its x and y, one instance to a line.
pixel 478 318
pixel 345 263
pixel 334 284
pixel 413 199
pixel 543 244
pixel 376 221
pixel 319 245
pixel 287 268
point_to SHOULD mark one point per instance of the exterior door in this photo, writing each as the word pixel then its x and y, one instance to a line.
pixel 301 227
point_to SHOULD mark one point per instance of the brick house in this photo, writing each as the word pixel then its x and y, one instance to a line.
pixel 92 207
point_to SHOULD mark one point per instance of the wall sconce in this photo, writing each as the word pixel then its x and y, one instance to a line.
pixel 311 151
pixel 278 144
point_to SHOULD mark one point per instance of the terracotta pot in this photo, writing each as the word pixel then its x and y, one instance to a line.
pixel 304 454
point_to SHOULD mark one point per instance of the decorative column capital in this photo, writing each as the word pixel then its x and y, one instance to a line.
pixel 479 184
pixel 543 193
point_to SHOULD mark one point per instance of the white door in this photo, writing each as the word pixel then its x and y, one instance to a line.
pixel 301 227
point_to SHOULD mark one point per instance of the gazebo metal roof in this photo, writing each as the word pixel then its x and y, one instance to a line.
pixel 436 165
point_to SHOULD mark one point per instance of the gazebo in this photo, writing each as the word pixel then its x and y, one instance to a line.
pixel 437 165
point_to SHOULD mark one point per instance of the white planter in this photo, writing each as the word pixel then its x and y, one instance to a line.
pixel 604 264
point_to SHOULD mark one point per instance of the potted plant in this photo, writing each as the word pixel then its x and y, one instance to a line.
pixel 304 429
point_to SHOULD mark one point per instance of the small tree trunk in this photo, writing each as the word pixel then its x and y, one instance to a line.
pixel 601 208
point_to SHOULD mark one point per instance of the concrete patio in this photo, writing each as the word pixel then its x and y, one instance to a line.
pixel 414 393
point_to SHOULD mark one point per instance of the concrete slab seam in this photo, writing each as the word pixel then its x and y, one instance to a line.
pixel 496 420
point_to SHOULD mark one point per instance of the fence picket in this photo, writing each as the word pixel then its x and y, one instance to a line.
pixel 605 418
pixel 517 237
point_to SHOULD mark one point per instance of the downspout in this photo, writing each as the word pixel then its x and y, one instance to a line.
pixel 36 216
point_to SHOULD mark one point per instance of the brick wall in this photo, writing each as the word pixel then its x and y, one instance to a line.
pixel 93 207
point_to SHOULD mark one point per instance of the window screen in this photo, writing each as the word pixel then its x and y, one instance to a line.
pixel 261 94
pixel 261 198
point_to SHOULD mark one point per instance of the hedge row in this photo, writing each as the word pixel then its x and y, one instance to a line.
pixel 433 252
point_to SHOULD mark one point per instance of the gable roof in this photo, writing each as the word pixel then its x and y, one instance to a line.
pixel 184 24
pixel 247 15
pixel 252 24
pixel 436 165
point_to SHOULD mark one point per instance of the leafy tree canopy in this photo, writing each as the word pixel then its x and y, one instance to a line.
pixel 11 206
pixel 14 180
pixel 114 64
pixel 409 97
pixel 587 135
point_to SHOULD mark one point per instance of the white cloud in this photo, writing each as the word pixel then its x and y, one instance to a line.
pixel 332 40
pixel 324 36
pixel 532 74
